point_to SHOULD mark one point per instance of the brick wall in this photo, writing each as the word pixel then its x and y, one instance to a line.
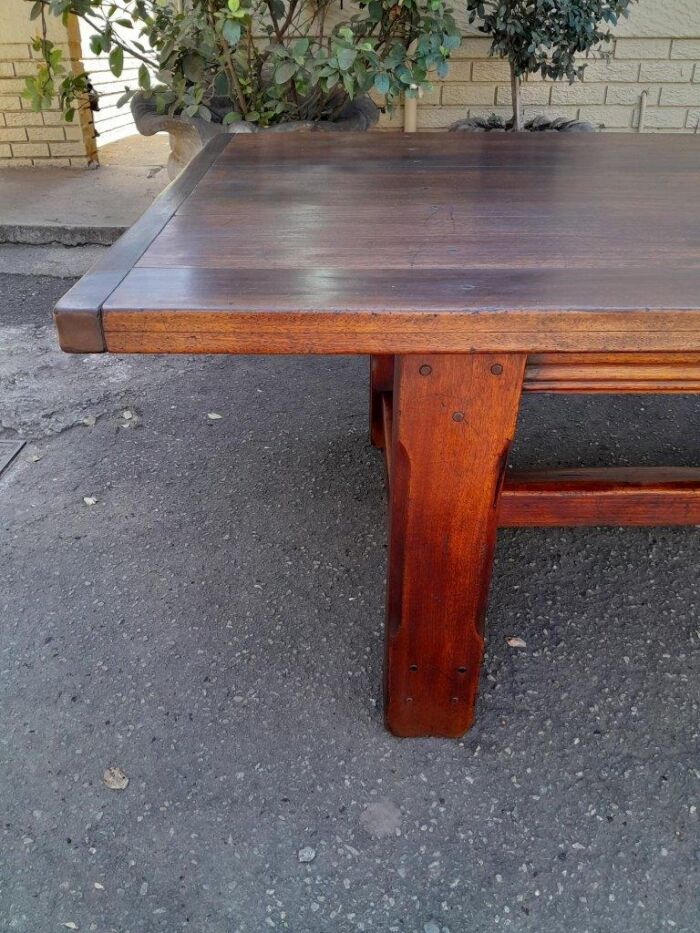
pixel 28 138
pixel 657 50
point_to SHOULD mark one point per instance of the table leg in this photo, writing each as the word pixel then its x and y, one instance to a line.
pixel 454 418
pixel 381 380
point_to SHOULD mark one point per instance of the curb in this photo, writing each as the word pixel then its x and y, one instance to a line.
pixel 59 235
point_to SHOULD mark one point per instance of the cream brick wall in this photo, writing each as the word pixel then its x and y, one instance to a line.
pixel 656 49
pixel 28 138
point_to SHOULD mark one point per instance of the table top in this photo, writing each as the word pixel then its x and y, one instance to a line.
pixel 394 243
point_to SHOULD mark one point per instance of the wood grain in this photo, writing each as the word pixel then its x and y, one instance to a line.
pixel 610 372
pixel 399 243
pixel 604 496
pixel 613 496
pixel 453 421
pixel 381 380
pixel 618 373
pixel 387 410
pixel 387 332
pixel 78 314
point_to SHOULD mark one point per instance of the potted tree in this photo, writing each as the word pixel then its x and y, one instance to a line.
pixel 211 66
pixel 541 36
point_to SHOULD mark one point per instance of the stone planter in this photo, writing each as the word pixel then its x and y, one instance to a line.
pixel 538 124
pixel 190 134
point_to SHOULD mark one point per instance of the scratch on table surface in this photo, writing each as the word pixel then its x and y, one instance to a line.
pixel 435 214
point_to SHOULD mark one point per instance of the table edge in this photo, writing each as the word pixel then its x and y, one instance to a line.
pixel 78 314
pixel 361 333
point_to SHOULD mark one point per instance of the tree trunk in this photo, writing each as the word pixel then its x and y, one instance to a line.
pixel 518 122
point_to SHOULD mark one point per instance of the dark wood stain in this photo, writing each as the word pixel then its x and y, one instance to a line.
pixel 78 315
pixel 395 243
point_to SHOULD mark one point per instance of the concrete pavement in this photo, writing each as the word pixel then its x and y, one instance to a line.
pixel 212 625
pixel 73 207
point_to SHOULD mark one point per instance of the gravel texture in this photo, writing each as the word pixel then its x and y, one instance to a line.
pixel 212 627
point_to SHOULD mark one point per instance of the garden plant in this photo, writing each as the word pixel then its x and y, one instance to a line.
pixel 548 37
pixel 261 61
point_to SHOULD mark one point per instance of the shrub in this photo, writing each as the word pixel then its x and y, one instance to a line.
pixel 264 61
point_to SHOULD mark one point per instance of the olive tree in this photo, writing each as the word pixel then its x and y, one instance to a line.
pixel 545 36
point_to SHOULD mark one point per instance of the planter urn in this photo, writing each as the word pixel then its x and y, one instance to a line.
pixel 188 135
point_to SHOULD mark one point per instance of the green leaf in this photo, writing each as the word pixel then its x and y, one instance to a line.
pixel 381 83
pixel 233 116
pixel 300 48
pixel 36 10
pixel 346 58
pixel 234 5
pixel 116 61
pixel 231 32
pixel 284 72
pixel 221 86
pixel 193 67
pixel 96 44
pixel 69 114
pixel 144 78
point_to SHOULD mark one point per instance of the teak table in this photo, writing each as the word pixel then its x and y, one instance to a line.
pixel 470 268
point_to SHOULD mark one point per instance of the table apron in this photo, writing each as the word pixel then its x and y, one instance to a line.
pixel 181 331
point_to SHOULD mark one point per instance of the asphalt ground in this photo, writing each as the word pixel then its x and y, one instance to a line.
pixel 212 626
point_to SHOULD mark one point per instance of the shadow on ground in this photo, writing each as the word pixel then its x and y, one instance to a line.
pixel 212 626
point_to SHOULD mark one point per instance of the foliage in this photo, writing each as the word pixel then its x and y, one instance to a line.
pixel 545 36
pixel 264 61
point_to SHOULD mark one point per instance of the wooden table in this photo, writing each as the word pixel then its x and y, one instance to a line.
pixel 470 268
